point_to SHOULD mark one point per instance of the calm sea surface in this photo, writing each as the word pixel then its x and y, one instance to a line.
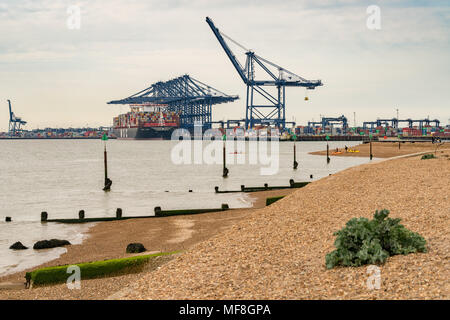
pixel 65 176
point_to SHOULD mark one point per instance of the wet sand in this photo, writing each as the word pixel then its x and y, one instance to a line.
pixel 108 240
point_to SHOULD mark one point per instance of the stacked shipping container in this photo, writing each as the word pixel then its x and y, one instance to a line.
pixel 146 119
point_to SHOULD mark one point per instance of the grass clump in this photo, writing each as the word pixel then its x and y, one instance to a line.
pixel 428 156
pixel 91 270
pixel 363 241
pixel 271 200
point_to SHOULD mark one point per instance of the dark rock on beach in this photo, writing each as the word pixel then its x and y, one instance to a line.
pixel 53 243
pixel 135 248
pixel 18 246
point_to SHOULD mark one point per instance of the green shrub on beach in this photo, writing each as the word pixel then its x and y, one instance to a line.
pixel 428 156
pixel 363 241
pixel 91 270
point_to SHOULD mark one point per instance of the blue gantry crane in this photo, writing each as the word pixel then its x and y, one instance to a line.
pixel 395 122
pixel 15 123
pixel 273 111
pixel 192 98
pixel 380 122
pixel 330 121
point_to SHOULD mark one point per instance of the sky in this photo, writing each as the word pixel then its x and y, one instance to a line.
pixel 60 77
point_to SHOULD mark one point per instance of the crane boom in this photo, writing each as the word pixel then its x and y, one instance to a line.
pixel 273 111
pixel 11 115
pixel 227 50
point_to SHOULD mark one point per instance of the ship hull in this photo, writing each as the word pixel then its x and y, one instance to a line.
pixel 143 133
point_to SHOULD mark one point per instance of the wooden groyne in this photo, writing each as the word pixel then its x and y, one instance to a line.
pixel 158 213
pixel 266 187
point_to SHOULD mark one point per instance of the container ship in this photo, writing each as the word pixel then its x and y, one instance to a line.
pixel 146 121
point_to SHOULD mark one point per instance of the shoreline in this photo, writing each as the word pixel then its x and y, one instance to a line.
pixel 186 231
pixel 385 150
pixel 175 233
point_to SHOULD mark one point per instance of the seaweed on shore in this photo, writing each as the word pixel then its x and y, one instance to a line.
pixel 428 156
pixel 91 270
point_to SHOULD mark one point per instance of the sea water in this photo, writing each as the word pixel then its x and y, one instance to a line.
pixel 62 177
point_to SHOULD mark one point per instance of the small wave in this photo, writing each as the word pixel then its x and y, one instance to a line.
pixel 17 261
pixel 247 200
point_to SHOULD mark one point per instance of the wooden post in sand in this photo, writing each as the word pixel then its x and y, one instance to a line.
pixel 370 143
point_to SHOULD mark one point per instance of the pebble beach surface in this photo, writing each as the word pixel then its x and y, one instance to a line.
pixel 278 252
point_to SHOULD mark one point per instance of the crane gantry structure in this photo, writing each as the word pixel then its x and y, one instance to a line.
pixel 395 122
pixel 15 123
pixel 191 98
pixel 273 111
pixel 325 121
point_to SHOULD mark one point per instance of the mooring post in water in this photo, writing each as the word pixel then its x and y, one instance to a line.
pixel 328 153
pixel 295 159
pixel 108 181
pixel 225 169
pixel 105 157
pixel 295 154
pixel 328 149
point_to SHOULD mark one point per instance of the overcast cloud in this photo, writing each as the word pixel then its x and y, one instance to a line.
pixel 60 77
